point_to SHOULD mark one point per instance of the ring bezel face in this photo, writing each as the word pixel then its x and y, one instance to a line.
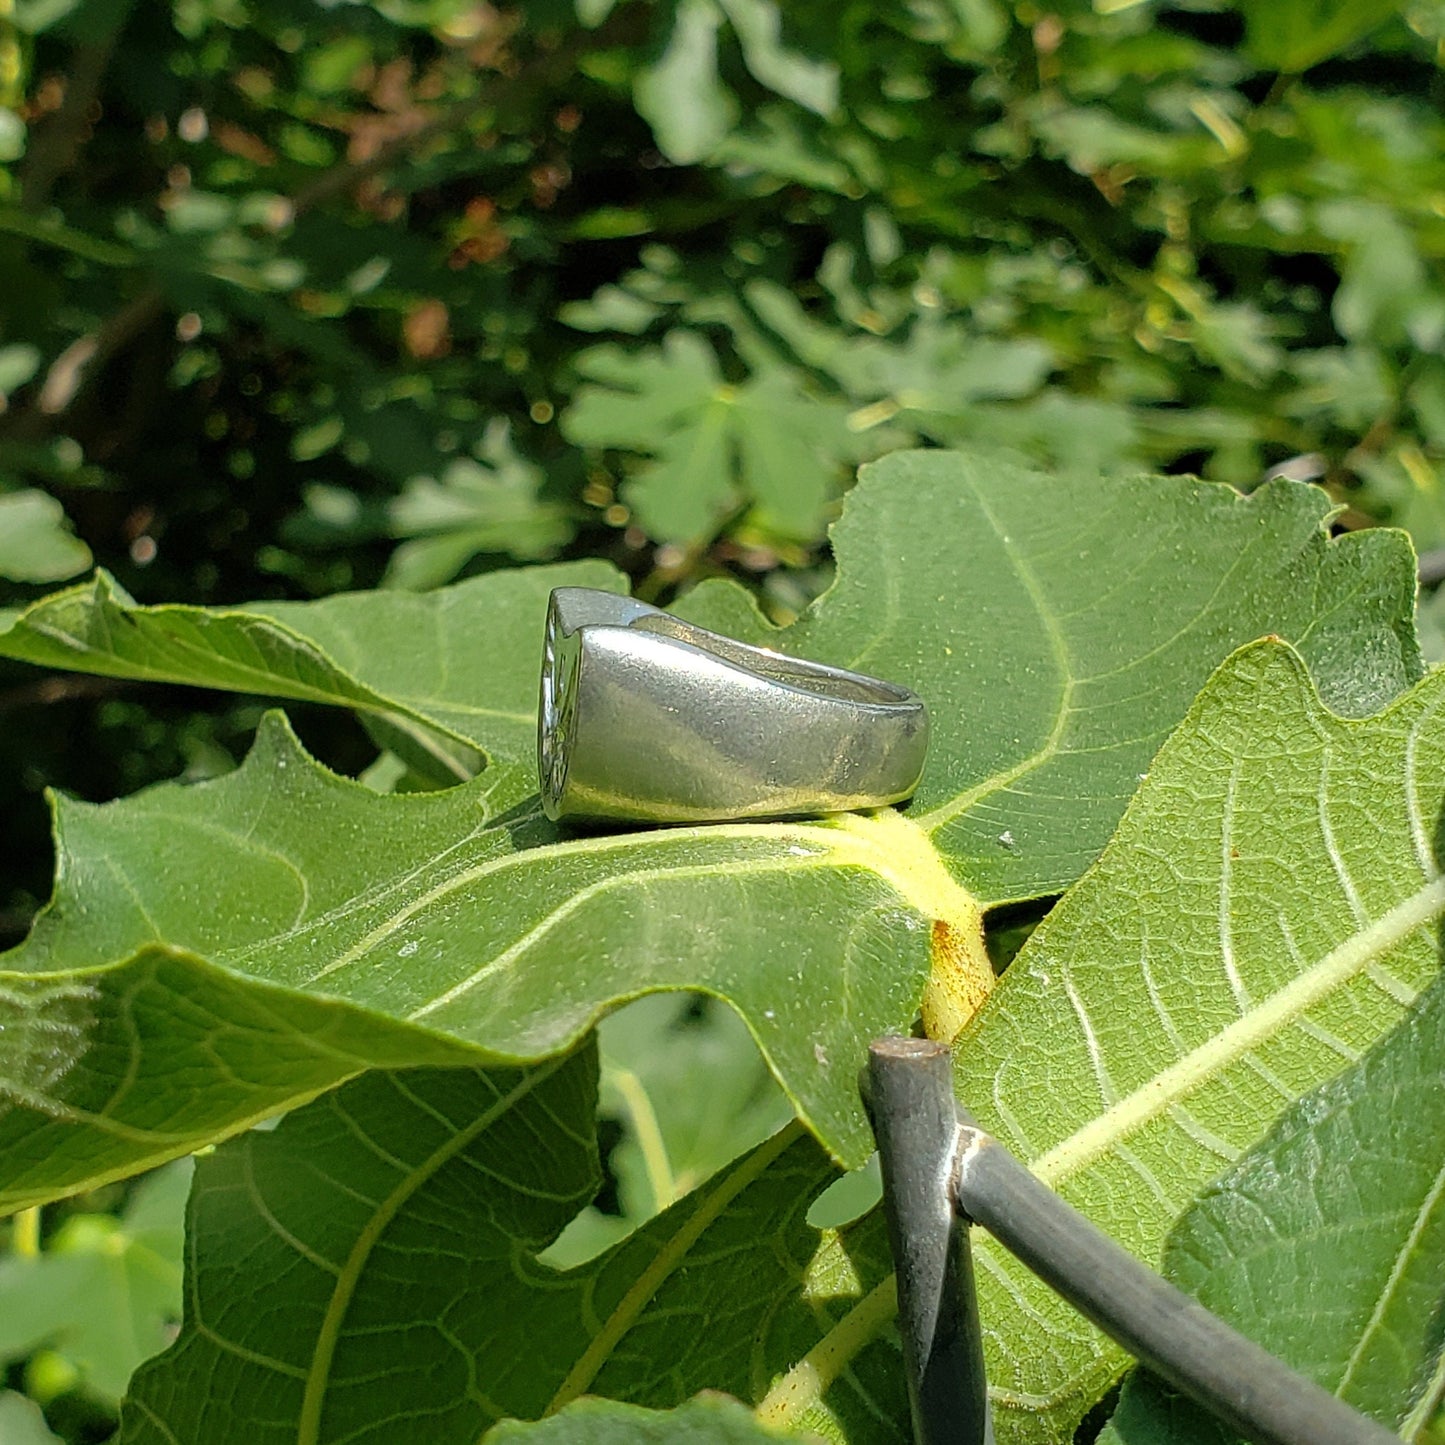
pixel 561 657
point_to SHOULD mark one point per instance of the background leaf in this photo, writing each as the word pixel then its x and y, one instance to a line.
pixel 36 541
pixel 717 446
pixel 1293 35
pixel 105 1293
pixel 492 505
pixel 682 1080
pixel 373 1190
pixel 758 26
pixel 22 1421
pixel 680 94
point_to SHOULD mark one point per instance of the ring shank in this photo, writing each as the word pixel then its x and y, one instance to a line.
pixel 646 718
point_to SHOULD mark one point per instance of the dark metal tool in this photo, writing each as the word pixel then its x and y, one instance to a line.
pixel 942 1173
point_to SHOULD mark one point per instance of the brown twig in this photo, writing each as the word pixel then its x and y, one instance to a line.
pixel 59 687
pixel 349 174
pixel 83 359
pixel 57 143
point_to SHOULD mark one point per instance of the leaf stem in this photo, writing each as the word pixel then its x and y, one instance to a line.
pixel 960 975
pixel 660 1178
pixel 25 1233
pixel 668 1258
pixel 807 1382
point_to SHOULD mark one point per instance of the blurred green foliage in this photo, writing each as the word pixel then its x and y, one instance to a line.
pixel 84 1302
pixel 319 294
pixel 102 1295
pixel 307 296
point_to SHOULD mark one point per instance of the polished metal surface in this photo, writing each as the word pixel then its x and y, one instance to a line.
pixel 645 718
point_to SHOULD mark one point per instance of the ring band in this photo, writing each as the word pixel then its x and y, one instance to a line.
pixel 645 718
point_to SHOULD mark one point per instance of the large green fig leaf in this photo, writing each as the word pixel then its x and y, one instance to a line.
pixel 107 1071
pixel 317 928
pixel 1342 1206
pixel 1266 911
pixel 1058 629
pixel 448 672
pixel 404 1198
pixel 426 928
pixel 392 1229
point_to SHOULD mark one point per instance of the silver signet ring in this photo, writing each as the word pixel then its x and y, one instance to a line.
pixel 645 718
